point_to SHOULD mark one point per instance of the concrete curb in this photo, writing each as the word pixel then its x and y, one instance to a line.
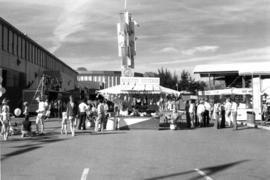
pixel 258 126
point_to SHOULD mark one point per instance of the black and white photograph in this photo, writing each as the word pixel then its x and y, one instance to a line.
pixel 134 90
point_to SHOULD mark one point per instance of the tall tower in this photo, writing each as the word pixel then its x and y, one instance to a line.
pixel 126 42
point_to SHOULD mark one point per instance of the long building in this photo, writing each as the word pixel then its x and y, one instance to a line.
pixel 105 78
pixel 23 62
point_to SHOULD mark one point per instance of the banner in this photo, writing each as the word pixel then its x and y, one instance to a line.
pixel 141 81
pixel 235 91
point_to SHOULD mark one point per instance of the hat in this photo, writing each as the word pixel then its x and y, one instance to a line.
pixel 25 103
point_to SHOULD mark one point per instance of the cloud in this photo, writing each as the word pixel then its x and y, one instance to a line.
pixel 72 20
pixel 200 49
pixel 169 50
pixel 250 55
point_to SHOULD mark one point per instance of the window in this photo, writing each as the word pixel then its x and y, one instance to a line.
pixel 33 54
pixel 27 51
pixel 30 52
pixel 5 38
pixel 37 56
pixel 23 48
pixel 19 46
pixel 1 35
pixel 15 46
pixel 10 41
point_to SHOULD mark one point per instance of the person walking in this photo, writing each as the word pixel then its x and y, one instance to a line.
pixel 187 114
pixel 106 114
pixel 26 124
pixel 100 116
pixel 234 108
pixel 200 113
pixel 5 119
pixel 82 115
pixel 25 110
pixel 192 114
pixel 40 115
pixel 71 114
pixel 207 113
pixel 217 114
pixel 228 106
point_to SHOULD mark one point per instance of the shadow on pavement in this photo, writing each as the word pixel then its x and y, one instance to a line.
pixel 80 133
pixel 35 142
pixel 208 170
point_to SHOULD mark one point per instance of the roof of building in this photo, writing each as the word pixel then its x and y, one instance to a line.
pixel 237 69
pixel 118 73
pixel 32 41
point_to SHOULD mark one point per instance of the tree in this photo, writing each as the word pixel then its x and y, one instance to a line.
pixel 185 83
pixel 167 79
pixel 81 69
pixel 150 74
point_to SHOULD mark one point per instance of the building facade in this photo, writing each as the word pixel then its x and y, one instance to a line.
pixel 23 62
pixel 105 78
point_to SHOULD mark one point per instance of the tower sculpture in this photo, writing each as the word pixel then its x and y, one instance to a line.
pixel 126 42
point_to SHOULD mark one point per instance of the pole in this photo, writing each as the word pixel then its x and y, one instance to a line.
pixel 125 5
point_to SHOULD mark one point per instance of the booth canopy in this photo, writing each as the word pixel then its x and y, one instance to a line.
pixel 138 90
pixel 231 91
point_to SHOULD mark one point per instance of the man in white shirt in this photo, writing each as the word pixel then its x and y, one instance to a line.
pixel 192 113
pixel 40 115
pixel 82 115
pixel 200 112
pixel 101 115
pixel 234 107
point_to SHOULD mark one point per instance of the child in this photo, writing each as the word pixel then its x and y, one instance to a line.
pixel 5 119
pixel 26 128
pixel 64 122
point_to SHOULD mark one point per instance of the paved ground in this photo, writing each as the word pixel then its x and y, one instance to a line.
pixel 141 154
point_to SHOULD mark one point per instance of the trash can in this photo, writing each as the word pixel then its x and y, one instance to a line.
pixel 110 124
pixel 251 118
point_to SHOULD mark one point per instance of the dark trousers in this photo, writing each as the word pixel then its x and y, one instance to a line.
pixel 222 123
pixel 206 118
pixel 82 119
pixel 188 119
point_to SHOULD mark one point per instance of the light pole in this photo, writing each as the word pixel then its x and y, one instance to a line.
pixel 177 86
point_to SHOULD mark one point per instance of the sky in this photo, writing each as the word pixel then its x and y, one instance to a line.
pixel 173 34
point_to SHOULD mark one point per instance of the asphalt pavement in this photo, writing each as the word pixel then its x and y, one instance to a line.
pixel 202 153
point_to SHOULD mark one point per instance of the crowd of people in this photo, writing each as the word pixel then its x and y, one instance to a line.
pixel 77 115
pixel 85 113
pixel 199 113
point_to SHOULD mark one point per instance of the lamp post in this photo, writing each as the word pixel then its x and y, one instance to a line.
pixel 177 86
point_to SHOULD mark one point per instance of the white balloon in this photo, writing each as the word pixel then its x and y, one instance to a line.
pixel 17 112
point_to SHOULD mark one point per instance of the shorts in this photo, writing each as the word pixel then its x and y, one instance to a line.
pixel 5 124
pixel 71 118
pixel 40 118
pixel 64 120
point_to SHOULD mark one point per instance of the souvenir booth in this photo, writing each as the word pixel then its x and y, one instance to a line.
pixel 136 103
pixel 249 80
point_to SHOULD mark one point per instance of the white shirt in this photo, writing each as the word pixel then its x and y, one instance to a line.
pixel 100 108
pixel 228 106
pixel 207 106
pixel 234 107
pixel 82 107
pixel 200 108
pixel 191 108
pixel 106 107
pixel 41 107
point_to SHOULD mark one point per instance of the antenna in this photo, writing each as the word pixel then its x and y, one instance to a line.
pixel 125 1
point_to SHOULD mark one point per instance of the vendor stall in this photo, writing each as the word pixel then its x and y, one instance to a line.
pixel 137 102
